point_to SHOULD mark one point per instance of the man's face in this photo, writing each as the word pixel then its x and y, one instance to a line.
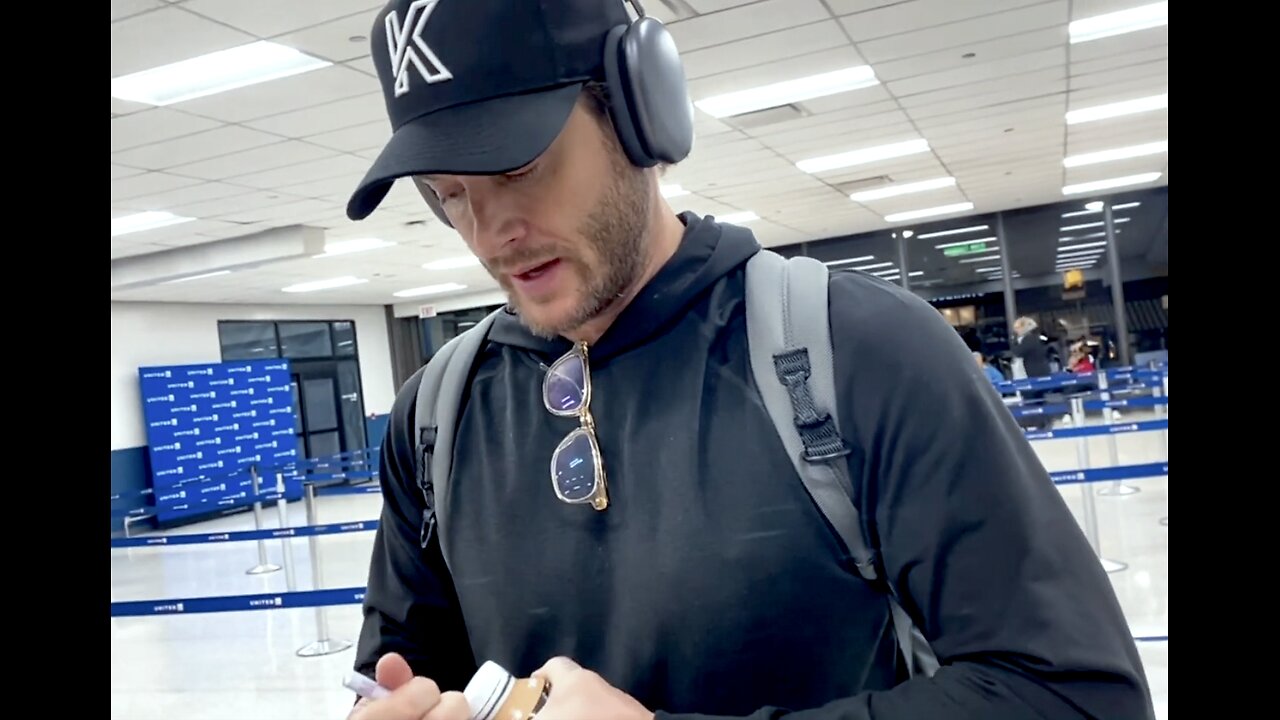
pixel 564 235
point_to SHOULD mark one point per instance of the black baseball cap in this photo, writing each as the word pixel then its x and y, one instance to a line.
pixel 479 87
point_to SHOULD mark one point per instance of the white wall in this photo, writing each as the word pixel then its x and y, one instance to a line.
pixel 177 333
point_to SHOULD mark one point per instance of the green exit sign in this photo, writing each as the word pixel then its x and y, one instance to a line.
pixel 969 249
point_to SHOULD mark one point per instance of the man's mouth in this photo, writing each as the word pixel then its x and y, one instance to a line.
pixel 535 271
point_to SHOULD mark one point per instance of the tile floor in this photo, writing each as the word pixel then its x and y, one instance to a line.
pixel 243 666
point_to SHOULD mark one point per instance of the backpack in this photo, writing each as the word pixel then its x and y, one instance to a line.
pixel 792 361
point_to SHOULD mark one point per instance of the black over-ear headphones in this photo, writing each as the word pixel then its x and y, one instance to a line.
pixel 648 97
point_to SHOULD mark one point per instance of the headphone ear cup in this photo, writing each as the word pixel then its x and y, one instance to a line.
pixel 656 91
pixel 620 108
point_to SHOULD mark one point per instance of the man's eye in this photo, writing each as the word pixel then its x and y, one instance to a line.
pixel 521 174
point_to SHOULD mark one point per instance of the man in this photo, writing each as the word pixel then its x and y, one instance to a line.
pixel 1031 348
pixel 709 585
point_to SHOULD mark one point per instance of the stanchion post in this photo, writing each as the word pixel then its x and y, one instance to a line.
pixel 286 544
pixel 1117 487
pixel 323 644
pixel 263 567
pixel 1090 512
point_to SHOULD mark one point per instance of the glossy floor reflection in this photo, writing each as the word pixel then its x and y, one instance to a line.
pixel 243 666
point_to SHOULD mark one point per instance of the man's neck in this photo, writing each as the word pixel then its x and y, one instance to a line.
pixel 664 235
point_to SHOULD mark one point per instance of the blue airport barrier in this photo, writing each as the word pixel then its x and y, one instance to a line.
pixel 1104 474
pixel 1092 430
pixel 1065 408
pixel 1144 377
pixel 237 603
pixel 243 535
pixel 350 490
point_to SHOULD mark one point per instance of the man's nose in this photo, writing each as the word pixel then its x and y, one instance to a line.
pixel 496 221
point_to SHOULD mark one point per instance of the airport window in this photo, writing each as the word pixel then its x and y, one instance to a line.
pixel 305 340
pixel 248 340
pixel 323 356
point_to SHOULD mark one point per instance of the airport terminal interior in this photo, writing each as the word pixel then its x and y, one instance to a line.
pixel 1005 160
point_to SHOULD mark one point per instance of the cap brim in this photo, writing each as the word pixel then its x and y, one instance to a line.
pixel 485 138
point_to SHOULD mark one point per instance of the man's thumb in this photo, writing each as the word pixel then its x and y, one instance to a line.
pixel 393 671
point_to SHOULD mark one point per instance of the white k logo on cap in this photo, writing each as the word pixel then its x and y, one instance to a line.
pixel 406 46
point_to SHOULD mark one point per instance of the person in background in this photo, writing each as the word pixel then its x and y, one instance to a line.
pixel 993 374
pixel 1080 361
pixel 1031 347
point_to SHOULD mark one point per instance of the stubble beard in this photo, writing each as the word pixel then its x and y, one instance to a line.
pixel 615 235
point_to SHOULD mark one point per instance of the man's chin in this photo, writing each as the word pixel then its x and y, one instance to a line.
pixel 552 320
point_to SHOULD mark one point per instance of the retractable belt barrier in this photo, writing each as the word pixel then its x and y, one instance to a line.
pixel 306 474
pixel 244 535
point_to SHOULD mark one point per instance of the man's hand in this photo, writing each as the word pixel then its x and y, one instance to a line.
pixel 411 698
pixel 578 694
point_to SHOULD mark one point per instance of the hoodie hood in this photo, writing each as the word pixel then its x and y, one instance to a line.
pixel 703 257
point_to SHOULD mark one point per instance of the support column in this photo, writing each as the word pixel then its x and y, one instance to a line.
pixel 1010 300
pixel 902 260
pixel 1117 287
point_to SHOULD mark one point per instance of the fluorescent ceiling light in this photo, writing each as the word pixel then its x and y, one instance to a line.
pixel 1125 206
pixel 1078 213
pixel 1095 206
pixel 865 268
pixel 329 284
pixel 917 273
pixel 980 258
pixel 987 269
pixel 1081 246
pixel 1081 255
pixel 846 261
pixel 453 263
pixel 1142 17
pixel 1117 109
pixel 197 277
pixel 429 290
pixel 958 243
pixel 1069 228
pixel 1082 237
pixel 1112 183
pixel 1078 254
pixel 145 221
pixel 745 216
pixel 957 231
pixel 863 156
pixel 929 212
pixel 903 189
pixel 1123 153
pixel 788 91
pixel 882 273
pixel 214 73
pixel 346 247
pixel 670 191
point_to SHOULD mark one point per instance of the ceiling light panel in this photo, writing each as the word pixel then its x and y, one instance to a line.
pixel 213 73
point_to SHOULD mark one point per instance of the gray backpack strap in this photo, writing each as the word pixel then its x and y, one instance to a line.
pixel 436 418
pixel 792 360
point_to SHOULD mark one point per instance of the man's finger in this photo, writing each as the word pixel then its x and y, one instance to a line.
pixel 392 671
pixel 414 699
pixel 557 669
pixel 452 706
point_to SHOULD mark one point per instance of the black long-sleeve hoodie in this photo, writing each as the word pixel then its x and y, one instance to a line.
pixel 712 587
